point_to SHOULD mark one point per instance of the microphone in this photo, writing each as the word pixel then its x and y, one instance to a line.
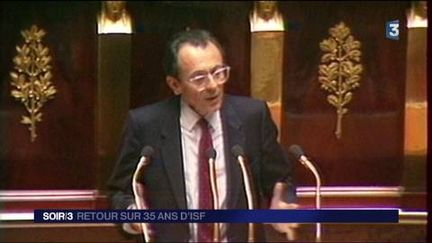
pixel 139 190
pixel 299 155
pixel 238 152
pixel 211 154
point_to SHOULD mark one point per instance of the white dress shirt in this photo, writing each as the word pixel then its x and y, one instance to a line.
pixel 190 135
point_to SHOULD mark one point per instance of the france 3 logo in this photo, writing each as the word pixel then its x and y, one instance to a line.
pixel 392 29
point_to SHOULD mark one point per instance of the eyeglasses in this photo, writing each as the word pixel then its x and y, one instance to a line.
pixel 219 75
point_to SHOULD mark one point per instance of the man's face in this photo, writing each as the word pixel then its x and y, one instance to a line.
pixel 193 62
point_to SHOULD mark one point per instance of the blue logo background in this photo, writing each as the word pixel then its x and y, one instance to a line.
pixel 392 30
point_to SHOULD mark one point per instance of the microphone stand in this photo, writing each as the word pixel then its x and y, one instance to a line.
pixel 216 233
pixel 138 191
pixel 312 168
pixel 249 195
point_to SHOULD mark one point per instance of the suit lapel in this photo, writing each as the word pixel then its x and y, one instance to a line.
pixel 233 135
pixel 171 151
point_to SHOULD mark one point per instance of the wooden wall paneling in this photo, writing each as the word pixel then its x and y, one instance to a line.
pixel 63 155
pixel 370 151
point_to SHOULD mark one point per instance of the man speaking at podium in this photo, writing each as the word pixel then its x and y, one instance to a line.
pixel 182 129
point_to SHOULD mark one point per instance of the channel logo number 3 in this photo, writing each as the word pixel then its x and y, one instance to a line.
pixel 392 30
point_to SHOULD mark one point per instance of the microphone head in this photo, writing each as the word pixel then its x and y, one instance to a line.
pixel 147 151
pixel 237 150
pixel 211 153
pixel 296 150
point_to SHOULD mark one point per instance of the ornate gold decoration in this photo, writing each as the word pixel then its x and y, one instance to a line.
pixel 31 77
pixel 340 69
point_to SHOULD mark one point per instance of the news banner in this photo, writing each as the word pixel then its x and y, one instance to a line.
pixel 218 216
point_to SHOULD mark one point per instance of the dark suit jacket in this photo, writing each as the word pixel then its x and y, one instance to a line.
pixel 245 121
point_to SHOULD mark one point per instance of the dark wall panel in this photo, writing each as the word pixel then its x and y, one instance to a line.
pixel 63 154
pixel 370 152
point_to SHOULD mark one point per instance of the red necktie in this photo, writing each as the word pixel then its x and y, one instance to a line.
pixel 205 230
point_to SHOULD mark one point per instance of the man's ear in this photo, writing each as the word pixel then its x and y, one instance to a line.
pixel 174 85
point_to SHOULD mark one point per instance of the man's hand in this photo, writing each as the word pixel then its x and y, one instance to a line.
pixel 132 228
pixel 276 203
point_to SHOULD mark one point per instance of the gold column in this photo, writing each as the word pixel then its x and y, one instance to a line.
pixel 113 87
pixel 266 70
pixel 113 95
pixel 415 146
pixel 267 41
